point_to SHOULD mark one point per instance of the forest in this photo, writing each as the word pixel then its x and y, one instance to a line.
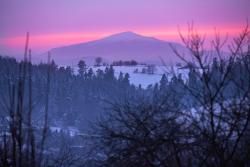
pixel 202 120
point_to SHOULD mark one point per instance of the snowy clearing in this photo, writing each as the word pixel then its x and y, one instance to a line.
pixel 143 79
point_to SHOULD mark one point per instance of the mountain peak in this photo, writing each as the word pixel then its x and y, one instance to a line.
pixel 127 33
pixel 126 36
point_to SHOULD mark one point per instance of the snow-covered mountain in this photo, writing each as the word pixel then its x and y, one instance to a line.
pixel 121 46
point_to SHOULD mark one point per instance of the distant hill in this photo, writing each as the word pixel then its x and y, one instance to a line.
pixel 121 46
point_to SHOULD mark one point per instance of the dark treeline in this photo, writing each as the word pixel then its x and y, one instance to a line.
pixel 73 97
pixel 125 63
pixel 202 120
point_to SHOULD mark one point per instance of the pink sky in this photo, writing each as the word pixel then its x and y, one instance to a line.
pixel 53 23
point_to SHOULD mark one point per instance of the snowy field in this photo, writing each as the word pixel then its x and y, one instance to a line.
pixel 143 78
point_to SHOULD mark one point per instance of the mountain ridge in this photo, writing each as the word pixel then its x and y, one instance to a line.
pixel 120 46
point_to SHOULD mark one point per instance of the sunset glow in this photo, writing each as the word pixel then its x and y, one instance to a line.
pixel 44 42
pixel 59 23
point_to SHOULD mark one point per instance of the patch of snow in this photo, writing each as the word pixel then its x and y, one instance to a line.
pixel 145 79
pixel 72 131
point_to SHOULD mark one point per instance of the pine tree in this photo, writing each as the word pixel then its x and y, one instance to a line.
pixel 109 73
pixel 126 79
pixel 82 68
pixel 120 78
pixel 163 82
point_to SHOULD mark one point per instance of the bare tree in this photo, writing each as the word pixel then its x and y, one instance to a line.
pixel 20 147
pixel 98 61
pixel 219 120
pixel 140 133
